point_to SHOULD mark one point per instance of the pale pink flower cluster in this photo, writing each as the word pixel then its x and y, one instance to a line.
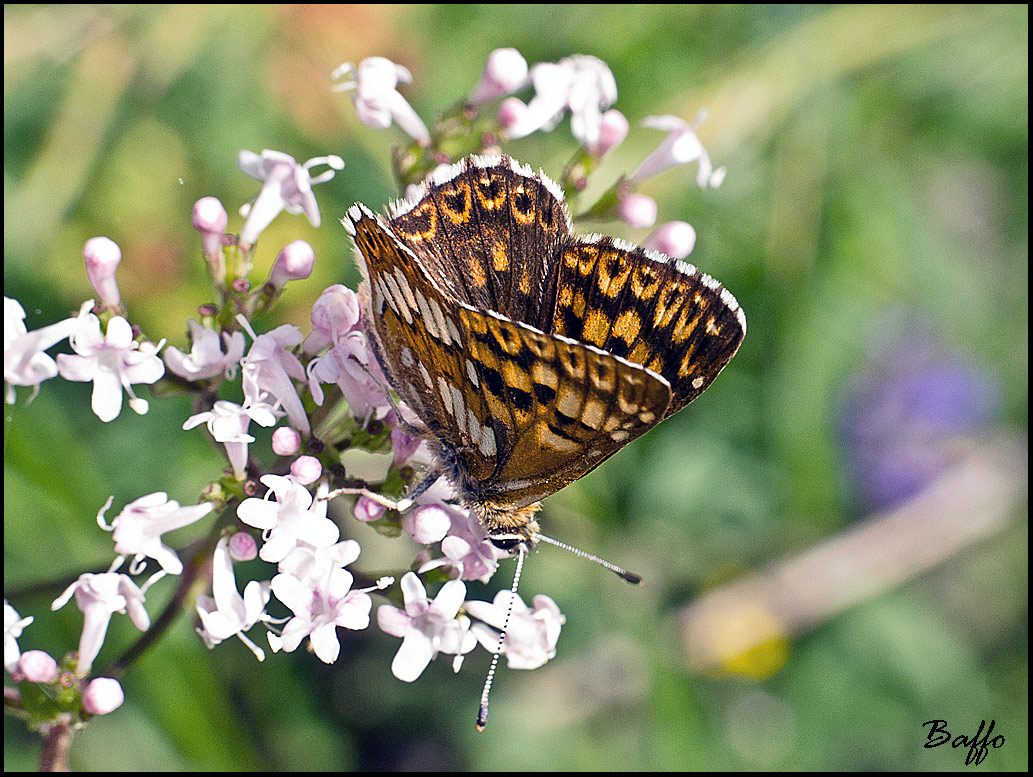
pixel 584 86
pixel 580 84
pixel 100 695
pixel 343 354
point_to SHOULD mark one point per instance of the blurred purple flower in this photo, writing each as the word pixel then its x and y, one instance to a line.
pixel 904 415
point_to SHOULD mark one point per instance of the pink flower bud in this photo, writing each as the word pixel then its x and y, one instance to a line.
pixel 102 257
pixel 37 666
pixel 210 219
pixel 637 210
pixel 504 72
pixel 427 524
pixel 102 695
pixel 242 546
pixel 306 469
pixel 613 128
pixel 675 238
pixel 286 441
pixel 294 263
pixel 511 112
pixel 334 314
pixel 368 510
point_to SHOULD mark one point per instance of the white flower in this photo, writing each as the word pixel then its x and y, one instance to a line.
pixel 292 517
pixel 226 613
pixel 581 83
pixel 680 147
pixel 138 528
pixel 268 370
pixel 13 626
pixel 25 364
pixel 99 597
pixel 286 185
pixel 426 627
pixel 377 101
pixel 228 423
pixel 531 634
pixel 113 361
pixel 319 609
pixel 315 565
pixel 207 357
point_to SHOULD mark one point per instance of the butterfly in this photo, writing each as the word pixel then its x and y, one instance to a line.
pixel 530 354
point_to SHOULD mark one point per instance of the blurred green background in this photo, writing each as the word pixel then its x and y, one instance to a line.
pixel 876 199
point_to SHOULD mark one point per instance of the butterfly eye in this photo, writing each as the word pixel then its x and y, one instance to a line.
pixel 506 542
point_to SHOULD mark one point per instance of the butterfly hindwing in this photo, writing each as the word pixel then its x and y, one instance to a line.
pixel 568 407
pixel 654 311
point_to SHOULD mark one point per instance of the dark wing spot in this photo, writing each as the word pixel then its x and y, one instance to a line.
pixel 493 380
pixel 521 399
pixel 545 394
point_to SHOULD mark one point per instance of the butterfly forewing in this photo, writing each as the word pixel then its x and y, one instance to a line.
pixel 416 333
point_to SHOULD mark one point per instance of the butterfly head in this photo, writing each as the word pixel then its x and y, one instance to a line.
pixel 509 528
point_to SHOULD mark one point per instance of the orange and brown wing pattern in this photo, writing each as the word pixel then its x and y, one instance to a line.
pixel 486 229
pixel 419 341
pixel 530 355
pixel 559 407
pixel 515 414
pixel 651 310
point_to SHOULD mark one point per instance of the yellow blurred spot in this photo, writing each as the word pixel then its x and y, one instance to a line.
pixel 740 638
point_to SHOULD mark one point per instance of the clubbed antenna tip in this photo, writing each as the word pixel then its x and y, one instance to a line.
pixel 630 577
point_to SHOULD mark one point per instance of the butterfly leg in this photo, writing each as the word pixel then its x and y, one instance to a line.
pixel 401 505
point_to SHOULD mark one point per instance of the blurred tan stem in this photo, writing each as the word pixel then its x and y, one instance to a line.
pixel 976 499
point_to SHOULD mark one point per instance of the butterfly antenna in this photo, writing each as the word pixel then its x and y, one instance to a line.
pixel 631 577
pixel 482 715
